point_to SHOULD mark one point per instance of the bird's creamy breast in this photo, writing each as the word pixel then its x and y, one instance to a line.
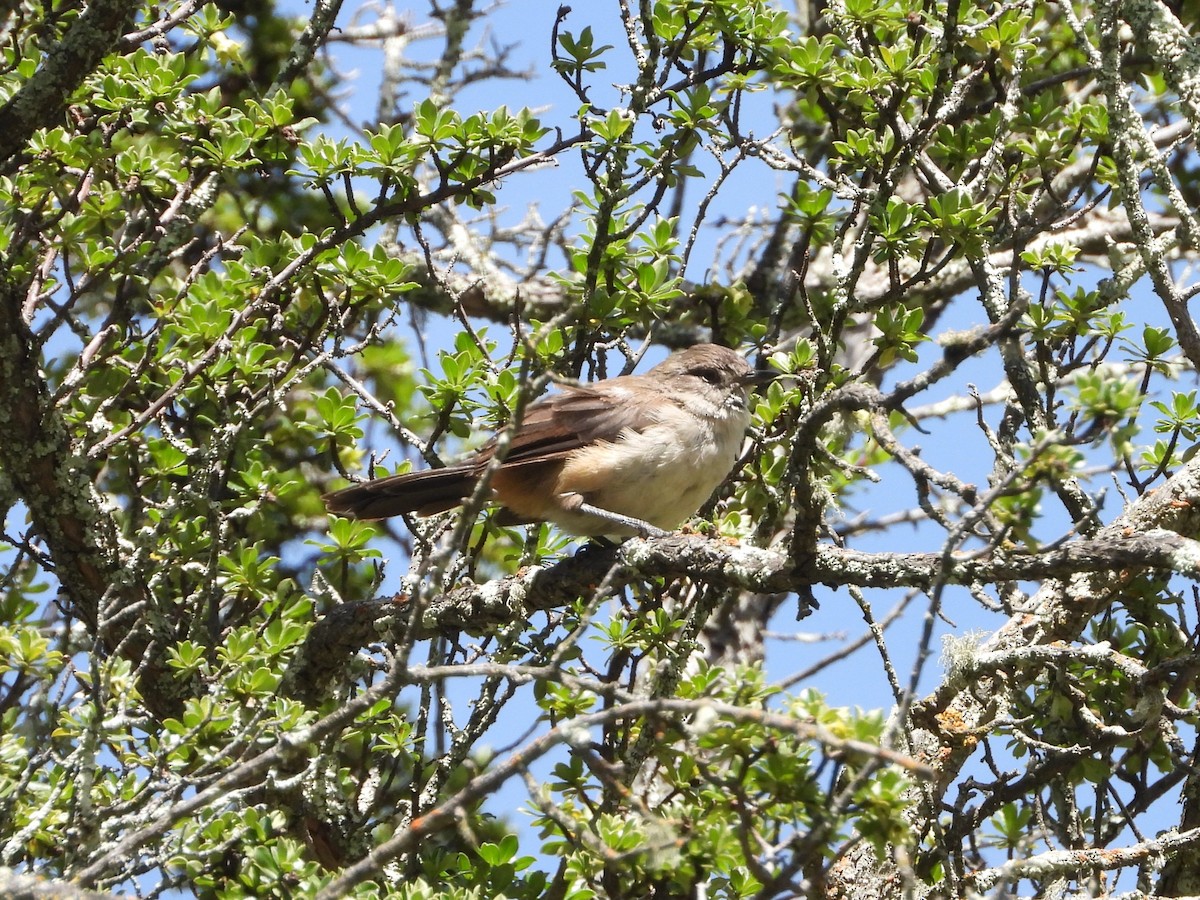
pixel 661 474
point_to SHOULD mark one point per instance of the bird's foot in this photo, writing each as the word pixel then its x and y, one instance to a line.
pixel 638 526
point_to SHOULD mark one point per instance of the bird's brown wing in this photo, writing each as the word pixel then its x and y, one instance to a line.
pixel 561 423
pixel 551 429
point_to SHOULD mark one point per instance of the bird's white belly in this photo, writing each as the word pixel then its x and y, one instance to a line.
pixel 660 475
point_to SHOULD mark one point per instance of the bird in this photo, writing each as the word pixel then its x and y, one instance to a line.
pixel 632 455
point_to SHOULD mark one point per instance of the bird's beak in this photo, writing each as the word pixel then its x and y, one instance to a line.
pixel 759 377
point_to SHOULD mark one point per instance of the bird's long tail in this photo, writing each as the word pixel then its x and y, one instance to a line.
pixel 422 493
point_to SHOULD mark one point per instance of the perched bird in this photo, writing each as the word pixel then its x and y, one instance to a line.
pixel 637 454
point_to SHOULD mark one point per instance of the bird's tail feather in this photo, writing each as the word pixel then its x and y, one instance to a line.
pixel 421 493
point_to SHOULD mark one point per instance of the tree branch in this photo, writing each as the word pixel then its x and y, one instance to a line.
pixel 51 477
pixel 1071 863
pixel 477 608
pixel 29 887
pixel 42 99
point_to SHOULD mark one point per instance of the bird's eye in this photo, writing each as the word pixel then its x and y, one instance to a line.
pixel 711 375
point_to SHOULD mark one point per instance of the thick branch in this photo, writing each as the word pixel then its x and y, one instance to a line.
pixel 19 886
pixel 37 456
pixel 52 477
pixel 41 100
pixel 476 608
pixel 1069 863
